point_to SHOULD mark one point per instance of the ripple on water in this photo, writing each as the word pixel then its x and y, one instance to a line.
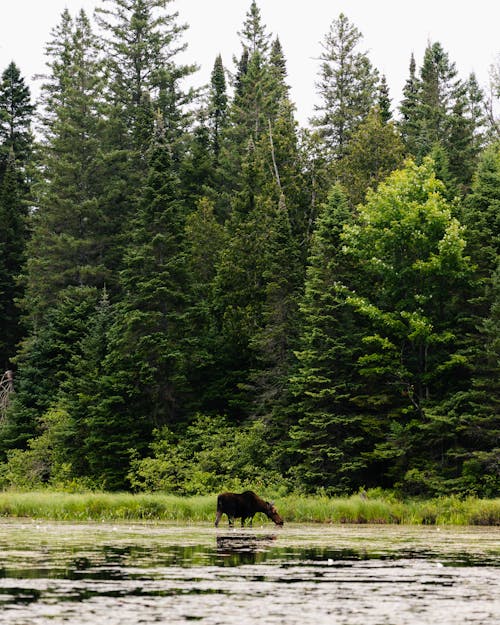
pixel 145 573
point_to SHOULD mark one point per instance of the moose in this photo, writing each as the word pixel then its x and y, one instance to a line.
pixel 244 505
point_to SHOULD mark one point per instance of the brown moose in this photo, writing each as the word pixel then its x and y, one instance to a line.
pixel 244 505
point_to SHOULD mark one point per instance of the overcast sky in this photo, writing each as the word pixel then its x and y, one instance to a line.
pixel 392 30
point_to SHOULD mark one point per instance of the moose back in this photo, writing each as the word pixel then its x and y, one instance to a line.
pixel 245 506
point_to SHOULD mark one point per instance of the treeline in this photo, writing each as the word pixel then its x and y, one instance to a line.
pixel 195 293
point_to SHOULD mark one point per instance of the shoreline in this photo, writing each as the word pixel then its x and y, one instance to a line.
pixel 356 509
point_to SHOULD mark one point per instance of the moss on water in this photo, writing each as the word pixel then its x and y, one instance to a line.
pixel 293 508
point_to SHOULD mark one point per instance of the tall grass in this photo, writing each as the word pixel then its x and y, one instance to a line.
pixel 293 508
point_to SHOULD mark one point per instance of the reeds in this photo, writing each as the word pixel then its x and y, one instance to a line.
pixel 293 508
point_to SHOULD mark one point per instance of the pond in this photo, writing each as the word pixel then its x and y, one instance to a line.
pixel 300 574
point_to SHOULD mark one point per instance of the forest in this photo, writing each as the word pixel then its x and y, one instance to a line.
pixel 197 293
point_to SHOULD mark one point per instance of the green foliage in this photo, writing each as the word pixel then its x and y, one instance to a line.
pixel 165 256
pixel 440 109
pixel 13 237
pixel 16 114
pixel 347 86
pixel 211 455
pixel 326 435
pixel 374 151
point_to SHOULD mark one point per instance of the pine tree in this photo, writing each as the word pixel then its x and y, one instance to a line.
pixel 408 108
pixel 327 436
pixel 13 236
pixel 347 86
pixel 16 114
pixel 72 237
pixel 218 103
pixel 141 43
pixel 436 110
pixel 253 35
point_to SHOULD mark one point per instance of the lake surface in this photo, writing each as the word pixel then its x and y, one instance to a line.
pixel 301 574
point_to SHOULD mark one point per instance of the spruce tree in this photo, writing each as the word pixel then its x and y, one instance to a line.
pixel 143 380
pixel 43 364
pixel 217 107
pixel 384 100
pixel 438 110
pixel 205 242
pixel 273 343
pixel 347 86
pixel 476 412
pixel 253 34
pixel 481 214
pixel 16 114
pixel 326 435
pixel 72 242
pixel 141 41
pixel 13 236
pixel 408 108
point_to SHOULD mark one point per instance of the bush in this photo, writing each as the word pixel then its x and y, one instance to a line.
pixel 212 455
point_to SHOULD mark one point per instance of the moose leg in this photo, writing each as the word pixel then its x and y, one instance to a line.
pixel 217 518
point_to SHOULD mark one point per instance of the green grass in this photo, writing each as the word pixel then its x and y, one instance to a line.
pixel 293 508
pixel 355 509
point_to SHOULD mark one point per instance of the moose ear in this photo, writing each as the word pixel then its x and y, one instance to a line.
pixel 271 503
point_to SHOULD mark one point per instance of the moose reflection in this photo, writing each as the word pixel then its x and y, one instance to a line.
pixel 243 548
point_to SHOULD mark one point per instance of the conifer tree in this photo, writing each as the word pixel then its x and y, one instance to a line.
pixel 274 341
pixel 347 86
pixel 408 108
pixel 143 377
pixel 43 364
pixel 481 214
pixel 141 42
pixel 153 281
pixel 375 150
pixel 16 114
pixel 326 431
pixel 205 242
pixel 71 242
pixel 217 107
pixel 476 412
pixel 13 236
pixel 437 110
pixel 384 100
pixel 81 393
pixel 253 34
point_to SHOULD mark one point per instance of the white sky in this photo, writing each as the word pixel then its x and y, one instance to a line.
pixel 392 30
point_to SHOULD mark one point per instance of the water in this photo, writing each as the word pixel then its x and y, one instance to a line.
pixel 302 574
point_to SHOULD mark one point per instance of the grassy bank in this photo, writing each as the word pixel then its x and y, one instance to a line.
pixel 355 509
